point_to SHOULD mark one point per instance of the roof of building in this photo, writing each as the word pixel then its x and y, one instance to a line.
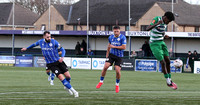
pixel 22 16
pixel 111 12
pixel 187 14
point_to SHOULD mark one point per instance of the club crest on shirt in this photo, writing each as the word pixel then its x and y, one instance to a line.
pixel 118 39
pixel 50 44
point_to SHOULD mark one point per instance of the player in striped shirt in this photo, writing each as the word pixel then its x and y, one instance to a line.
pixel 158 47
pixel 50 49
pixel 115 52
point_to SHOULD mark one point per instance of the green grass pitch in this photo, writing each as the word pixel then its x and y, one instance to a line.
pixel 29 86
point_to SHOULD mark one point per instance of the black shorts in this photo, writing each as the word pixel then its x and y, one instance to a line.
pixel 58 68
pixel 114 58
pixel 47 67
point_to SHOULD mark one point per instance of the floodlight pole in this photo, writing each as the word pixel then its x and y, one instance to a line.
pixel 172 38
pixel 129 27
pixel 49 25
pixel 87 26
pixel 13 27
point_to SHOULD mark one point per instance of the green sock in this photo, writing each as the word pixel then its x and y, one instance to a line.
pixel 169 75
pixel 166 75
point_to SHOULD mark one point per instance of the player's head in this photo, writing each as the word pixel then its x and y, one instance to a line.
pixel 116 30
pixel 168 17
pixel 189 52
pixel 47 36
pixel 52 37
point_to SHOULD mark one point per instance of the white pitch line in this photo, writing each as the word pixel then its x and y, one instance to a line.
pixel 197 92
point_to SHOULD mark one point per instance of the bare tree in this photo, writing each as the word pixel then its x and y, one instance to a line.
pixel 40 6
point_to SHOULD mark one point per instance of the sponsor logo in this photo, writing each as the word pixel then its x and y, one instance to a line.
pixel 74 63
pixel 198 70
pixel 95 63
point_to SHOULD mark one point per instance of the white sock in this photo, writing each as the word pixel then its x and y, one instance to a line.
pixel 117 84
pixel 101 81
pixel 168 80
pixel 73 90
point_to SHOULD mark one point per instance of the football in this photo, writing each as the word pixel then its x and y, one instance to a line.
pixel 178 63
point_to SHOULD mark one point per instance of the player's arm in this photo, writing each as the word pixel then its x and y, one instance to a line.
pixel 108 50
pixel 60 52
pixel 31 46
pixel 60 49
pixel 154 23
pixel 122 47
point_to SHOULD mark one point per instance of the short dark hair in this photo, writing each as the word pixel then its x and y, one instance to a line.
pixel 189 51
pixel 116 27
pixel 52 36
pixel 170 16
pixel 46 32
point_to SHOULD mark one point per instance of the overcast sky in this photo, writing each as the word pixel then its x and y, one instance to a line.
pixel 189 1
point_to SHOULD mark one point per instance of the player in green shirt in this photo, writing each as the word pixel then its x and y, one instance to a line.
pixel 158 47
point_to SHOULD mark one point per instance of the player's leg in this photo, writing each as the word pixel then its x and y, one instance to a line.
pixel 118 62
pixel 118 76
pixel 167 61
pixel 107 64
pixel 48 73
pixel 103 74
pixel 66 79
pixel 52 78
pixel 159 50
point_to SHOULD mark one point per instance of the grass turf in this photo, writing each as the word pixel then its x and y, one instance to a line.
pixel 29 86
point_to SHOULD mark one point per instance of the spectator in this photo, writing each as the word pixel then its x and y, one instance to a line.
pixel 134 54
pixel 77 48
pixel 82 51
pixel 190 61
pixel 195 55
pixel 146 49
pixel 140 53
pixel 90 53
pixel 84 46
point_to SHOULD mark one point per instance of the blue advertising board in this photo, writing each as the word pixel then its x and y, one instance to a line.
pixel 145 65
pixel 172 68
pixel 23 61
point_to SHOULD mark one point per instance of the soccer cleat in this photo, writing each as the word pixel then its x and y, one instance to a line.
pixel 116 88
pixel 51 82
pixel 99 85
pixel 76 94
pixel 172 85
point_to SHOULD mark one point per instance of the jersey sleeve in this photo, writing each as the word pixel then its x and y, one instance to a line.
pixel 109 39
pixel 154 21
pixel 34 44
pixel 124 40
pixel 58 46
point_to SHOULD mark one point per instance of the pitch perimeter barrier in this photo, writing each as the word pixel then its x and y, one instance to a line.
pixel 93 63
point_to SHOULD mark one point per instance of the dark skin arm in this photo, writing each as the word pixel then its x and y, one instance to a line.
pixel 150 27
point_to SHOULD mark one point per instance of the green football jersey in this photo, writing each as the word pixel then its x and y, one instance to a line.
pixel 157 33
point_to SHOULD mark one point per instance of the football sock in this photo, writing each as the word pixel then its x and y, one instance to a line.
pixel 68 79
pixel 48 73
pixel 117 82
pixel 66 84
pixel 168 81
pixel 169 75
pixel 52 76
pixel 166 75
pixel 101 79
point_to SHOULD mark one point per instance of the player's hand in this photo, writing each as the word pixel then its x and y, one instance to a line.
pixel 160 22
pixel 23 49
pixel 111 46
pixel 61 59
pixel 166 36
